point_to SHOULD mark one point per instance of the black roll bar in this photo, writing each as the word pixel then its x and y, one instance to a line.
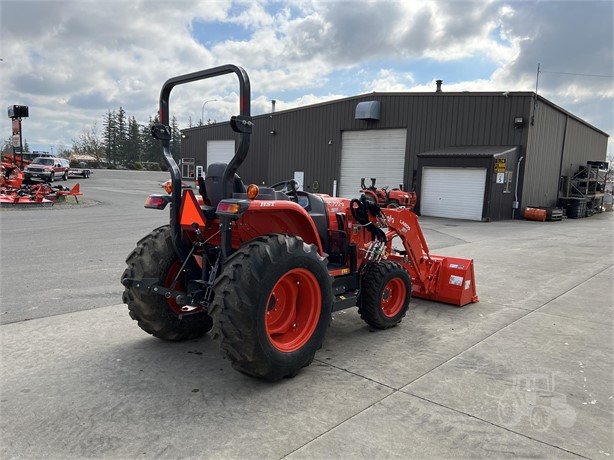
pixel 241 124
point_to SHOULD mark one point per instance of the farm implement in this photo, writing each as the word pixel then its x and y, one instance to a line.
pixel 14 193
pixel 264 268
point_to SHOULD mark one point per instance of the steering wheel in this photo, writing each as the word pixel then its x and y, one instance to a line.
pixel 289 187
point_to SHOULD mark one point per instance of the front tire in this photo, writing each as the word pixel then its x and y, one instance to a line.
pixel 384 295
pixel 155 257
pixel 272 306
pixel 52 177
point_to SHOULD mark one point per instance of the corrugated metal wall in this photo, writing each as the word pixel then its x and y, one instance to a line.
pixel 309 139
pixel 194 145
pixel 581 145
pixel 543 157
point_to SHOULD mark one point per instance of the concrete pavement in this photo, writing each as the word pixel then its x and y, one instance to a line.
pixel 526 372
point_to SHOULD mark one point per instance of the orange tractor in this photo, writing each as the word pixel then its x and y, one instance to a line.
pixel 388 198
pixel 264 268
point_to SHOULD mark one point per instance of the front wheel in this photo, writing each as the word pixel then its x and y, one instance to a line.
pixel 52 177
pixel 155 257
pixel 272 306
pixel 384 295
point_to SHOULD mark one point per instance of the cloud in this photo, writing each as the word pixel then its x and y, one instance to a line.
pixel 76 59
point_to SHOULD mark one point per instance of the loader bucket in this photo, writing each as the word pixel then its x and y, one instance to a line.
pixel 453 281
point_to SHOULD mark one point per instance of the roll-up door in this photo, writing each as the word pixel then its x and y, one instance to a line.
pixel 457 193
pixel 220 151
pixel 378 153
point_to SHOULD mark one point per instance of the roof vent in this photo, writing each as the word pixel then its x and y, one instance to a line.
pixel 438 83
pixel 367 110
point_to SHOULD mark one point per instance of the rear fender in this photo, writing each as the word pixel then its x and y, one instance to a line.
pixel 265 217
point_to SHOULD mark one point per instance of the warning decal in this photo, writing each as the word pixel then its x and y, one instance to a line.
pixel 456 280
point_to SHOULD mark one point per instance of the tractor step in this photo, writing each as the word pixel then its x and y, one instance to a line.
pixel 343 301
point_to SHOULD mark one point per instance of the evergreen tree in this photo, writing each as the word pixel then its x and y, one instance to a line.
pixel 175 140
pixel 133 143
pixel 122 136
pixel 109 136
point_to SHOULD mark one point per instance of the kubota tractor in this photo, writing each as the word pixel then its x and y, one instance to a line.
pixel 388 198
pixel 265 268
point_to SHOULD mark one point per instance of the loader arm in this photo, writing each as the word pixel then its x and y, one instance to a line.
pixel 439 278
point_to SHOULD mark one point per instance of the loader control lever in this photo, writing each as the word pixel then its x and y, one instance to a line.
pixel 361 209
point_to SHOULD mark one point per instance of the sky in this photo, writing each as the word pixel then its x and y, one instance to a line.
pixel 71 61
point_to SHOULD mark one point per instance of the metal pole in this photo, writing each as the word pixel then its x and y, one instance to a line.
pixel 20 146
pixel 202 115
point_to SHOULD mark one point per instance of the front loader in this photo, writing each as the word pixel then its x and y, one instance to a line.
pixel 264 268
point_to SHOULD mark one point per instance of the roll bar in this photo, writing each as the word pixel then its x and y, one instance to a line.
pixel 241 124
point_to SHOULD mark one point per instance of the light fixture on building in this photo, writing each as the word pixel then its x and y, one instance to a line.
pixel 518 122
pixel 272 132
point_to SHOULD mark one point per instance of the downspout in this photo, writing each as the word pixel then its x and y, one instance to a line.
pixel 515 205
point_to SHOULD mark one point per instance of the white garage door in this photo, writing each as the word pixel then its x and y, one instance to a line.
pixel 378 153
pixel 457 193
pixel 220 151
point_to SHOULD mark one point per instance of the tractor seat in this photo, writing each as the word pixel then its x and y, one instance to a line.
pixel 212 189
pixel 317 211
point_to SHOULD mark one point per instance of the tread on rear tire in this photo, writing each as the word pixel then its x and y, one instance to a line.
pixel 272 306
pixel 153 257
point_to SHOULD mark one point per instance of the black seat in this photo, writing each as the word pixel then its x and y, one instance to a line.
pixel 213 183
pixel 214 188
pixel 317 210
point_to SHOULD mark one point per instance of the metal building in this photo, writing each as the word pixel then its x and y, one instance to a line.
pixel 479 156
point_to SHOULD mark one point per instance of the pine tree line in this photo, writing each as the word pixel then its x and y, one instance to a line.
pixel 124 141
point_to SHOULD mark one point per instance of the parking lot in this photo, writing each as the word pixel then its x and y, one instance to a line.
pixel 526 372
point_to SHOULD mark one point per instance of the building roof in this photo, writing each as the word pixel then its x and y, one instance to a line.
pixel 470 151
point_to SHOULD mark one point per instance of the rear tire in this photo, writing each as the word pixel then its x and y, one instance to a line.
pixel 384 295
pixel 272 306
pixel 65 175
pixel 154 257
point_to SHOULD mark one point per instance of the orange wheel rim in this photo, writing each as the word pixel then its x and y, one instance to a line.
pixel 393 297
pixel 293 310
